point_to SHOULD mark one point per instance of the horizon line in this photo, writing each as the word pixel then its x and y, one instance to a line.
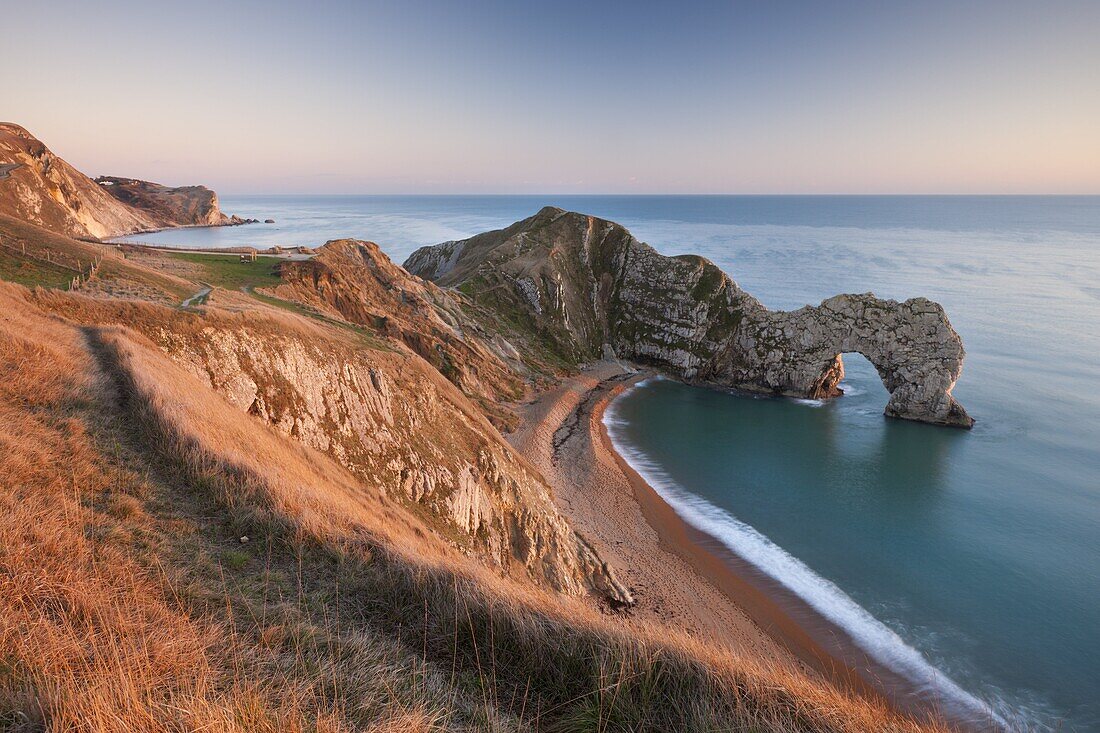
pixel 657 195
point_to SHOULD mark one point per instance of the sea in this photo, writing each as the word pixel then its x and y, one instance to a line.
pixel 966 561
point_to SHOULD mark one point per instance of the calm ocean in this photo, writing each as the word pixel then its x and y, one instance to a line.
pixel 959 558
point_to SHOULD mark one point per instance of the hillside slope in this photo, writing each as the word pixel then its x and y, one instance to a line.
pixel 389 418
pixel 31 255
pixel 38 187
pixel 256 584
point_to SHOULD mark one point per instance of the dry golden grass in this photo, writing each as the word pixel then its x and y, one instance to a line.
pixel 88 641
pixel 91 638
pixel 127 601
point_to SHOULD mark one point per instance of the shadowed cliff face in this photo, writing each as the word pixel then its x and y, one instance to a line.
pixel 576 287
pixel 167 206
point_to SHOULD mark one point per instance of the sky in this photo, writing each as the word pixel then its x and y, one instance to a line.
pixel 427 96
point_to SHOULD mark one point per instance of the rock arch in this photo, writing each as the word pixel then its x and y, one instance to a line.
pixel 585 288
pixel 912 345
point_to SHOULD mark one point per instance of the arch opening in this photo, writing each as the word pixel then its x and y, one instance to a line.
pixel 932 397
pixel 850 373
pixel 836 370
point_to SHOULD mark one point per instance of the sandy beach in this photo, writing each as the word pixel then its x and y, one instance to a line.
pixel 681 577
pixel 562 435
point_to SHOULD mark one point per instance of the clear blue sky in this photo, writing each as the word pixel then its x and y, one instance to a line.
pixel 407 97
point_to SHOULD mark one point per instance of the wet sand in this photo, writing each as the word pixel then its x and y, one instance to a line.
pixel 681 577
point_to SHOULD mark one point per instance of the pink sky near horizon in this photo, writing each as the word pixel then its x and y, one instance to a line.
pixel 366 98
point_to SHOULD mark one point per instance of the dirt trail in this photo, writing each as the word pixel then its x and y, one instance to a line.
pixel 199 296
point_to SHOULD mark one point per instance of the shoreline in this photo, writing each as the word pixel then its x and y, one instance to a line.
pixel 108 240
pixel 767 602
pixel 289 253
pixel 790 624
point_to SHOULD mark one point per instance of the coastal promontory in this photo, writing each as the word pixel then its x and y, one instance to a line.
pixel 575 288
pixel 41 188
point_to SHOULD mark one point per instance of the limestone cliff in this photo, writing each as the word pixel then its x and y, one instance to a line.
pixel 382 412
pixel 355 281
pixel 43 189
pixel 576 286
pixel 39 187
pixel 165 206
pixel 911 344
pixel 399 426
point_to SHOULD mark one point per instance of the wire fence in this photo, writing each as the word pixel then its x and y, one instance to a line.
pixel 84 272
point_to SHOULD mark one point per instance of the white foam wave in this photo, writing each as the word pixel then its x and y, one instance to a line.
pixel 851 390
pixel 871 635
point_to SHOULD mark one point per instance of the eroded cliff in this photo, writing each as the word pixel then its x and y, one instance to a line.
pixel 386 415
pixel 354 280
pixel 579 287
pixel 167 206
pixel 43 189
pixel 38 187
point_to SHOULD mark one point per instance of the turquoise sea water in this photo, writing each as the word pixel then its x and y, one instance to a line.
pixel 959 558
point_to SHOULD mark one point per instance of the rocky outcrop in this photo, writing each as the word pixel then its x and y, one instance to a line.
pixel 398 425
pixel 911 345
pixel 37 186
pixel 164 206
pixel 355 281
pixel 578 287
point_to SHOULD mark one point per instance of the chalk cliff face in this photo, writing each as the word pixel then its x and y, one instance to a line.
pixel 386 415
pixel 37 186
pixel 165 206
pixel 354 280
pixel 396 426
pixel 578 287
pixel 41 188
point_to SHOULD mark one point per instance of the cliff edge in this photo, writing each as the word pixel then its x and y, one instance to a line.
pixel 166 206
pixel 579 288
pixel 38 187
